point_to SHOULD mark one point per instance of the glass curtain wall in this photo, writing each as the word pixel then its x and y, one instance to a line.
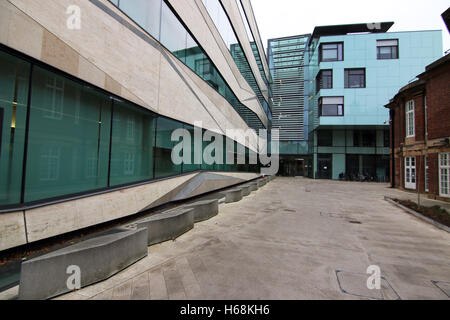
pixel 253 43
pixel 223 25
pixel 14 87
pixel 172 34
pixel 60 137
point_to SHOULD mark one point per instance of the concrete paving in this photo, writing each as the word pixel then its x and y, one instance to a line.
pixel 294 239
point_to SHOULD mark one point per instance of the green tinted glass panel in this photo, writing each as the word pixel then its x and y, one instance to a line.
pixel 69 134
pixel 146 13
pixel 164 166
pixel 173 34
pixel 14 83
pixel 133 139
pixel 192 166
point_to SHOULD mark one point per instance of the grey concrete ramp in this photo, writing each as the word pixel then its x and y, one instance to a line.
pixel 98 258
pixel 204 210
pixel 234 195
pixel 168 225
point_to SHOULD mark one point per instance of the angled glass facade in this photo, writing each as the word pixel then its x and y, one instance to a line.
pixel 223 25
pixel 61 137
pixel 173 35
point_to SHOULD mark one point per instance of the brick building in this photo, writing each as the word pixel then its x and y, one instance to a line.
pixel 420 133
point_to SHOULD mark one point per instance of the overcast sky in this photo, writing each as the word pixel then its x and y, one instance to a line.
pixel 279 18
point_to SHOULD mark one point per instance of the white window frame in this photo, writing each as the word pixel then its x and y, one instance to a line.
pixel 444 174
pixel 410 173
pixel 410 119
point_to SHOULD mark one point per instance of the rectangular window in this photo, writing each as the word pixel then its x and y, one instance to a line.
pixel 427 175
pixel 164 167
pixel 14 83
pixel 325 138
pixel 331 106
pixel 355 78
pixel 444 174
pixel 324 80
pixel 66 154
pixel 410 173
pixel 410 119
pixel 386 138
pixel 387 49
pixel 364 138
pixel 331 52
pixel 133 138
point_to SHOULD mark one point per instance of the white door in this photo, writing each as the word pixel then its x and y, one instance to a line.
pixel 410 173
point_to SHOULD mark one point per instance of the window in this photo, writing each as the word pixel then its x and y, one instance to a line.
pixel 410 173
pixel 331 106
pixel 386 138
pixel 133 138
pixel 146 13
pixel 54 98
pixel 331 52
pixel 324 80
pixel 427 175
pixel 164 167
pixel 364 138
pixel 355 78
pixel 14 79
pixel 387 49
pixel 444 174
pixel 57 155
pixel 410 125
pixel 325 138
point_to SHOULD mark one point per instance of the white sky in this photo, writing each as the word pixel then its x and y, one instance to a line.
pixel 280 18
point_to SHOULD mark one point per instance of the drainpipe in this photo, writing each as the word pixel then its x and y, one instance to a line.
pixel 392 115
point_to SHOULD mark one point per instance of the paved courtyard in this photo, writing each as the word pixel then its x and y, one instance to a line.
pixel 294 239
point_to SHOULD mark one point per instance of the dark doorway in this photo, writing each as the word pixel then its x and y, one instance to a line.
pixel 293 166
pixel 324 166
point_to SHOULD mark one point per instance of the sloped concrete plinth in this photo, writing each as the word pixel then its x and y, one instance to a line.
pixel 253 186
pixel 245 191
pixel 167 226
pixel 204 210
pixel 97 259
pixel 234 195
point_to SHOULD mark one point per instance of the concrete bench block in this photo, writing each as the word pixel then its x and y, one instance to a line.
pixel 253 186
pixel 98 259
pixel 246 190
pixel 233 196
pixel 204 210
pixel 168 225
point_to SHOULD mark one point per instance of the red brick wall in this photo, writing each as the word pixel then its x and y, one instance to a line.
pixel 438 101
pixel 419 113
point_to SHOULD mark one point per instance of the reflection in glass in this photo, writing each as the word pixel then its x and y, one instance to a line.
pixel 69 134
pixel 14 79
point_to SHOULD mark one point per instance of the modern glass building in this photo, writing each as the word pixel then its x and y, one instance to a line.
pixel 354 71
pixel 91 92
pixel 329 90
pixel 287 57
